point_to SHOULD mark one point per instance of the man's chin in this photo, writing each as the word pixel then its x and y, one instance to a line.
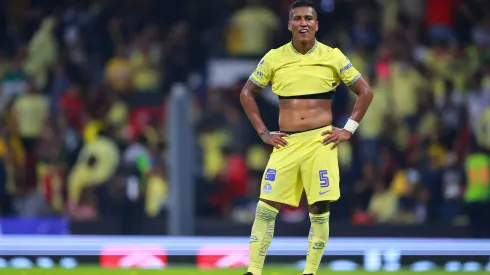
pixel 304 40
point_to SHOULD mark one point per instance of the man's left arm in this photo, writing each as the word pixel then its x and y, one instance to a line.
pixel 354 80
pixel 364 98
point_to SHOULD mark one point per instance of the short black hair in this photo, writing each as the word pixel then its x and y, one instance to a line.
pixel 301 3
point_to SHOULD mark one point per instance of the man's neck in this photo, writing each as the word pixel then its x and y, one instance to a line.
pixel 303 48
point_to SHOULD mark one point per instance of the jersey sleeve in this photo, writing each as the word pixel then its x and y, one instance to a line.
pixel 263 73
pixel 347 73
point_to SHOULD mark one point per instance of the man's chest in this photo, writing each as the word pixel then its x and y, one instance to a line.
pixel 306 69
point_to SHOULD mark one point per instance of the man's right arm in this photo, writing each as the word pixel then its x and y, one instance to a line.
pixel 260 77
pixel 257 81
pixel 247 98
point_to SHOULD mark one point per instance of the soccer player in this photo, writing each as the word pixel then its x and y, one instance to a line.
pixel 304 74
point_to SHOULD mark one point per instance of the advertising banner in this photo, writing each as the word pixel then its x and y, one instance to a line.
pixel 210 257
pixel 342 254
pixel 33 226
pixel 133 256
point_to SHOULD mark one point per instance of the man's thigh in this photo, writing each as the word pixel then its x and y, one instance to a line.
pixel 281 181
pixel 320 174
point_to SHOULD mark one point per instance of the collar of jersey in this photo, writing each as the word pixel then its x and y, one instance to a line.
pixel 309 52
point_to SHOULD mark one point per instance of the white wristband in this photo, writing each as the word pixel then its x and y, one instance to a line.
pixel 351 126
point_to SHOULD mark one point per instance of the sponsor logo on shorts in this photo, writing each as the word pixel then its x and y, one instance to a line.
pixel 267 188
pixel 324 192
pixel 270 174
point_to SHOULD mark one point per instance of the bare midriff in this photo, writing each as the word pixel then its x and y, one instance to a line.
pixel 304 114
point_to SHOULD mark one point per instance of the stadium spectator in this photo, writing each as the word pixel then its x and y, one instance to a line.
pixel 249 30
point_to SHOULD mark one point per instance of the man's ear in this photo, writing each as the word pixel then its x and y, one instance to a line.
pixel 289 25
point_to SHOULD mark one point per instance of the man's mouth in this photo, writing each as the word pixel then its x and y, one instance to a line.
pixel 303 31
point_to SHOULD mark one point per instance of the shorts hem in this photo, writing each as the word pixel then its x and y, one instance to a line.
pixel 280 201
pixel 323 199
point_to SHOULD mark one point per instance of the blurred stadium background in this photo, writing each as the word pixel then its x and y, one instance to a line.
pixel 123 143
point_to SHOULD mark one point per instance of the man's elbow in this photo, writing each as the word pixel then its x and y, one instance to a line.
pixel 245 95
pixel 368 93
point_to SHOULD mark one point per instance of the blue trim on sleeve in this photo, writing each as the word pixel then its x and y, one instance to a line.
pixel 354 80
pixel 256 83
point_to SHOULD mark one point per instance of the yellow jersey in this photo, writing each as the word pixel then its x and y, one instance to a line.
pixel 294 74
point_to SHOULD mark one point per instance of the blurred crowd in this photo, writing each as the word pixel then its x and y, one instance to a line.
pixel 85 86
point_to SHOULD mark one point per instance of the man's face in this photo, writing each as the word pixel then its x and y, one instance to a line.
pixel 303 24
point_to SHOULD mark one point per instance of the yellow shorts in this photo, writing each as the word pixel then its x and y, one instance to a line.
pixel 305 163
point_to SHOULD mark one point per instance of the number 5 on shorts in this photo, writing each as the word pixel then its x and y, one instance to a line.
pixel 324 183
